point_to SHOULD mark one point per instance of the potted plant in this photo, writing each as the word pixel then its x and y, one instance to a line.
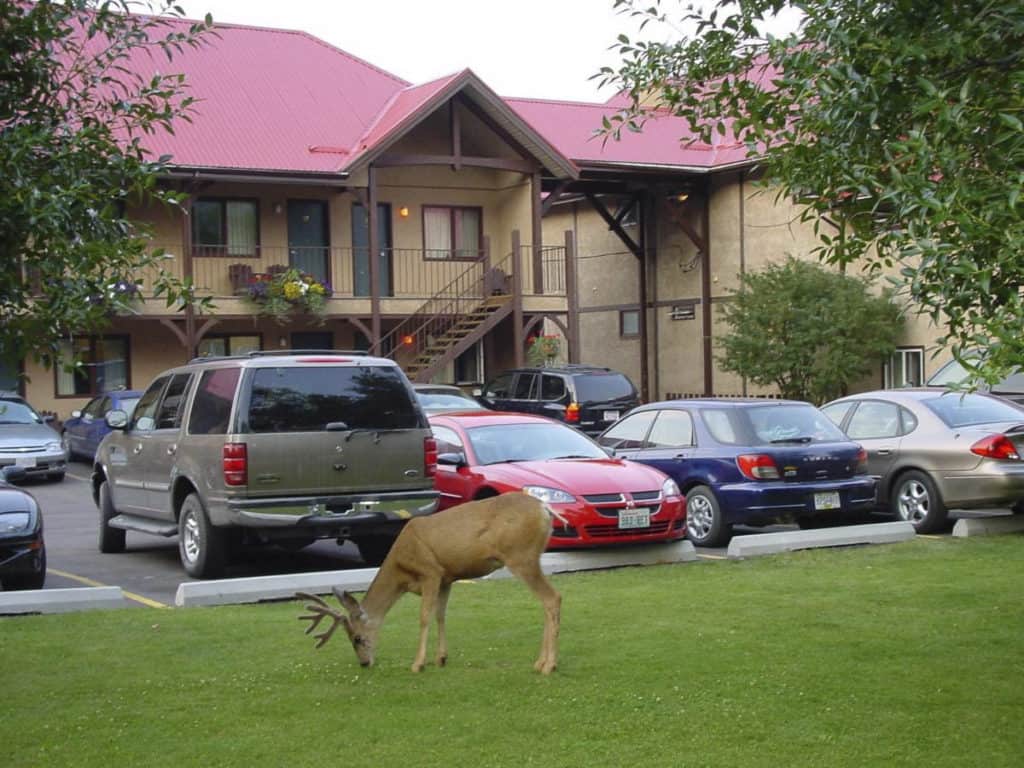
pixel 282 294
pixel 543 349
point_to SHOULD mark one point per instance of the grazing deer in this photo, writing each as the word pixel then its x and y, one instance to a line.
pixel 464 542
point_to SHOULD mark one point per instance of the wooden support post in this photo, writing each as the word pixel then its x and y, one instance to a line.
pixel 537 239
pixel 572 297
pixel 517 300
pixel 374 256
pixel 187 275
pixel 705 290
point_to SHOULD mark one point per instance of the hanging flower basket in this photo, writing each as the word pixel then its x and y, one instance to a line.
pixel 284 294
pixel 543 349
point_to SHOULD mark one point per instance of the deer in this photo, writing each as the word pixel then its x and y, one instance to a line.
pixel 431 553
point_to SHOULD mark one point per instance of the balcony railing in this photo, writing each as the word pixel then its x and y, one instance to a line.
pixel 407 273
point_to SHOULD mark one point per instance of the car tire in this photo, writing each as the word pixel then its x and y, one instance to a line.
pixel 34 580
pixel 916 500
pixel 374 549
pixel 111 539
pixel 202 546
pixel 55 477
pixel 705 526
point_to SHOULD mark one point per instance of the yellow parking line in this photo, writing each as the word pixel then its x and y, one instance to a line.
pixel 929 536
pixel 91 583
pixel 712 557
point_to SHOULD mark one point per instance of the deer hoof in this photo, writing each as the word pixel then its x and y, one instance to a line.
pixel 442 660
pixel 417 666
pixel 544 666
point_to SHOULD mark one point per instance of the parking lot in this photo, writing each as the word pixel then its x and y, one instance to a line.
pixel 149 571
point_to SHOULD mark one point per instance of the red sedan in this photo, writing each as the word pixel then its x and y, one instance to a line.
pixel 603 500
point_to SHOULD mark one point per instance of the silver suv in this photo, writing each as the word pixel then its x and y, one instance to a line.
pixel 280 448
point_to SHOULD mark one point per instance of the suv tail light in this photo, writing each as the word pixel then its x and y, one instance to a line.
pixel 236 464
pixel 758 466
pixel 995 447
pixel 429 457
pixel 572 413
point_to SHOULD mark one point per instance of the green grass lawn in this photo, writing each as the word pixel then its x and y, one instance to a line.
pixel 901 655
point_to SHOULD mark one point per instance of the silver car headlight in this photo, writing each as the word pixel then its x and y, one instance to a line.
pixel 54 446
pixel 669 488
pixel 549 495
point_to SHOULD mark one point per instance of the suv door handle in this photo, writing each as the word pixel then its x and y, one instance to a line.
pixel 137 449
pixel 171 450
pixel 884 451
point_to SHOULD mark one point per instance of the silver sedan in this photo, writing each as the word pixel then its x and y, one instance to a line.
pixel 932 450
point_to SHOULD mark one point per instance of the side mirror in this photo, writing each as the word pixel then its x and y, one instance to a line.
pixel 453 459
pixel 47 418
pixel 13 474
pixel 116 419
pixel 477 392
pixel 76 414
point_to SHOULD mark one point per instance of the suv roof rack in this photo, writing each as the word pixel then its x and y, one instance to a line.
pixel 280 353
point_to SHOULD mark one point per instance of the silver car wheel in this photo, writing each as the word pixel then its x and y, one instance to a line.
pixel 700 516
pixel 191 538
pixel 913 501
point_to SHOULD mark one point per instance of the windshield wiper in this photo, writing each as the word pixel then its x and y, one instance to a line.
pixel 574 456
pixel 802 439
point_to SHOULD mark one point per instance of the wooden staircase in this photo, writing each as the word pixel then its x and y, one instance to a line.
pixel 452 321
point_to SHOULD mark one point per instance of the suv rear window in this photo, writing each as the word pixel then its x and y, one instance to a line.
pixel 305 399
pixel 598 387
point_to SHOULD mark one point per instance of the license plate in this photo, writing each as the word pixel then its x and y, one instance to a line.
pixel 828 500
pixel 25 461
pixel 635 518
pixel 611 415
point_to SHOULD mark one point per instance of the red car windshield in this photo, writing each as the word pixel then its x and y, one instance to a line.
pixel 531 442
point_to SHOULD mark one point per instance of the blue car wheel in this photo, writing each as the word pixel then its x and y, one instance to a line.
pixel 704 524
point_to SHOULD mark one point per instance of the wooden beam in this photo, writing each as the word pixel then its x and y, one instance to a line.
pixel 705 289
pixel 614 226
pixel 517 300
pixel 374 247
pixel 456 129
pixel 537 238
pixel 572 298
pixel 553 196
pixel 473 161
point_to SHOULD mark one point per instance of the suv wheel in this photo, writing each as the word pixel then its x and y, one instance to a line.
pixel 201 545
pixel 111 539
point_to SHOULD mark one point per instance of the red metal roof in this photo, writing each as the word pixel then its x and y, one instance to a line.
pixel 664 141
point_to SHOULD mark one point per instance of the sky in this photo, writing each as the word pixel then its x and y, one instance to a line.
pixel 537 48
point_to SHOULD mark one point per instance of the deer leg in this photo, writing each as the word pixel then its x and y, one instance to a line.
pixel 442 638
pixel 534 578
pixel 428 604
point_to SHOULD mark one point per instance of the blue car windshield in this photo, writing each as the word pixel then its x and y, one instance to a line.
pixel 958 410
pixel 771 423
pixel 531 442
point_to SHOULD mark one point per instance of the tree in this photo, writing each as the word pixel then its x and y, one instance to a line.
pixel 898 122
pixel 73 117
pixel 808 330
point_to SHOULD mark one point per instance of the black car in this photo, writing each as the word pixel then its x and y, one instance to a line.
pixel 587 397
pixel 22 549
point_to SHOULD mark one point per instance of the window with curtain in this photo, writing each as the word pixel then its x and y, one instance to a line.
pixel 904 368
pixel 451 232
pixel 103 365
pixel 219 346
pixel 225 227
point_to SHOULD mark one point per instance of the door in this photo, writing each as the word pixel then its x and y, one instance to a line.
pixel 361 249
pixel 307 238
pixel 876 425
pixel 162 448
pixel 129 451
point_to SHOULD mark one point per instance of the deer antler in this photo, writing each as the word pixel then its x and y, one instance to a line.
pixel 318 611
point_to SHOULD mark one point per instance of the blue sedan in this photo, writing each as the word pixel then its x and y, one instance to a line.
pixel 753 462
pixel 84 430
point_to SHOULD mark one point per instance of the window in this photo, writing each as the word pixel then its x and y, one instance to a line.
pixel 142 419
pixel 469 365
pixel 629 323
pixel 524 386
pixel 905 368
pixel 211 408
pixel 452 233
pixel 104 365
pixel 225 227
pixel 673 429
pixel 222 346
pixel 551 387
pixel 308 399
pixel 837 411
pixel 500 387
pixel 874 420
pixel 630 432
pixel 169 415
pixel 448 440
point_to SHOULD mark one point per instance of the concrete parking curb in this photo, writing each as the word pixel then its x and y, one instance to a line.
pixel 987 526
pixel 788 541
pixel 599 559
pixel 253 590
pixel 61 600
